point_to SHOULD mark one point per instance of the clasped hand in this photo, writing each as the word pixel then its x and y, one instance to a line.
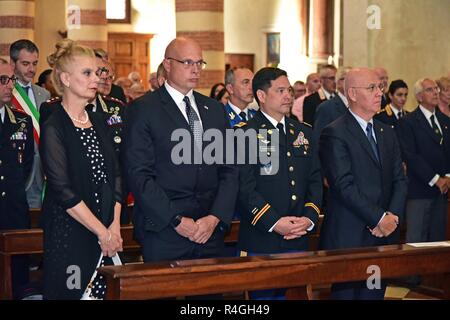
pixel 198 231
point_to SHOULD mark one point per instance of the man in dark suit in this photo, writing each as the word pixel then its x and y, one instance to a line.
pixel 362 163
pixel 326 92
pixel 181 208
pixel 16 161
pixel 393 112
pixel 278 208
pixel 424 136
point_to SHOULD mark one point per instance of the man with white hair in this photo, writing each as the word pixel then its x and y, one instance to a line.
pixel 425 140
pixel 384 78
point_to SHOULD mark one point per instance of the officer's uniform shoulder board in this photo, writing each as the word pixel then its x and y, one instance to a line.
pixel 113 99
pixel 53 100
pixel 381 111
pixel 240 124
pixel 19 111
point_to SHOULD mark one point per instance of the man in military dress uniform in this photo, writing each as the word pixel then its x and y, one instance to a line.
pixel 279 202
pixel 238 82
pixel 16 161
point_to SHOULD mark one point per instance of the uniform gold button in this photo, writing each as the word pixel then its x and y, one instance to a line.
pixel 294 197
pixel 293 182
pixel 288 154
pixel 291 169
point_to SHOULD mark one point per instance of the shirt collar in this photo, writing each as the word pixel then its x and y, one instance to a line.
pixel 343 98
pixel 236 109
pixel 273 121
pixel 427 113
pixel 176 95
pixel 362 123
pixel 327 94
pixel 395 110
pixel 24 85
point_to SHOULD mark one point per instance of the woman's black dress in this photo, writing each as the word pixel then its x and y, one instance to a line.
pixel 80 165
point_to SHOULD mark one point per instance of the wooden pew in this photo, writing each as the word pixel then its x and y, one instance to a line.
pixel 15 242
pixel 294 271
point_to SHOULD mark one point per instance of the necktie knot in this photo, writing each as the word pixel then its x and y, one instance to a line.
pixel 369 128
pixel 26 89
pixel 280 127
pixel 243 116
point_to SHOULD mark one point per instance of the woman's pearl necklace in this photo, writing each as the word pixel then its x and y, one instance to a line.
pixel 77 120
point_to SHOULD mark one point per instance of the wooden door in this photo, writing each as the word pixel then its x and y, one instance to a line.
pixel 237 60
pixel 130 52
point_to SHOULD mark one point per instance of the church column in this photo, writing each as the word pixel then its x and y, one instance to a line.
pixel 202 20
pixel 321 31
pixel 87 23
pixel 16 22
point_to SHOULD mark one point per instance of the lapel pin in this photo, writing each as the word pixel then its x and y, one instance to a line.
pixel 205 107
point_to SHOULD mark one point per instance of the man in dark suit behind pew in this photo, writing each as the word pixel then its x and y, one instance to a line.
pixel 181 210
pixel 362 163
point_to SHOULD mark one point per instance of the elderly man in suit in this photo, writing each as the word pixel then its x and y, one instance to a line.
pixel 24 57
pixel 181 209
pixel 362 163
pixel 424 136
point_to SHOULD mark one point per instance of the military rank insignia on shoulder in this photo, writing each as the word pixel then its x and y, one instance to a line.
pixel 240 124
pixel 306 123
pixel 53 100
pixel 113 99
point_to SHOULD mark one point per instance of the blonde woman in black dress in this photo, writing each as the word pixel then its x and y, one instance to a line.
pixel 81 207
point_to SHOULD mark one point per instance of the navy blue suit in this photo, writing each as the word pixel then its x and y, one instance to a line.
pixel 425 156
pixel 326 113
pixel 163 189
pixel 361 188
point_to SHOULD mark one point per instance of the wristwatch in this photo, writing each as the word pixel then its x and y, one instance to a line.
pixel 175 222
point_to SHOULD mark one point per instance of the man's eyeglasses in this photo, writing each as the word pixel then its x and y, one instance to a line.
pixel 102 72
pixel 432 89
pixel 189 63
pixel 4 80
pixel 372 87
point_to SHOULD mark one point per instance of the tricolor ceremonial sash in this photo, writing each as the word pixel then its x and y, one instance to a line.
pixel 22 102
